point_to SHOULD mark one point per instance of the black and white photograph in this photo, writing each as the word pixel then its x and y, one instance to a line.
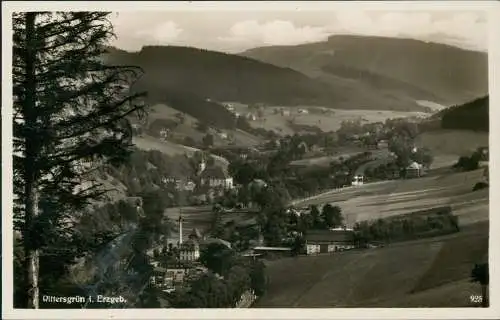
pixel 200 155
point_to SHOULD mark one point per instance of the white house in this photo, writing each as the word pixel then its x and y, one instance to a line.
pixel 189 250
pixel 285 113
pixel 382 144
pixel 229 106
pixel 357 180
pixel 216 177
pixel 414 170
pixel 325 241
pixel 164 133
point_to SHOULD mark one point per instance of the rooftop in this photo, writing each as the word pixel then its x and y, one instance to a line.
pixel 414 166
pixel 327 235
pixel 272 249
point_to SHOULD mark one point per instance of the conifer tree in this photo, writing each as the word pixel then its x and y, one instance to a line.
pixel 70 114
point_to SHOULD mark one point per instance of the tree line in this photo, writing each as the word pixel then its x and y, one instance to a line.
pixel 433 222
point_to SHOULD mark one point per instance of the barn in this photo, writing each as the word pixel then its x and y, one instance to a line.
pixel 328 241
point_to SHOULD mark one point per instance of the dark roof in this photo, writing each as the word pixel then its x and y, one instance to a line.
pixel 215 172
pixel 330 236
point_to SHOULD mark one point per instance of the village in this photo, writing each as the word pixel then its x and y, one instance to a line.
pixel 176 260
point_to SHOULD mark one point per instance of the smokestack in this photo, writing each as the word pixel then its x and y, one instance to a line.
pixel 180 228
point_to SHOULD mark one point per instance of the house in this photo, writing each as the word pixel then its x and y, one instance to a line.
pixel 229 106
pixel 216 177
pixel 303 146
pixel 303 111
pixel 167 278
pixel 251 117
pixel 285 113
pixel 414 170
pixel 382 144
pixel 189 250
pixel 158 278
pixel 326 241
pixel 357 180
pixel 164 133
pixel 179 183
pixel 343 228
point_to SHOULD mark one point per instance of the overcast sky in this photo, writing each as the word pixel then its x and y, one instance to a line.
pixel 236 31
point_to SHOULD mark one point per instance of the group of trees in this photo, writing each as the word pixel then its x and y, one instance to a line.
pixel 472 162
pixel 435 222
pixel 229 277
pixel 329 217
pixel 384 171
pixel 274 222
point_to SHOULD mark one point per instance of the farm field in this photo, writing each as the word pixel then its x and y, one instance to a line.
pixel 424 273
pixel 388 198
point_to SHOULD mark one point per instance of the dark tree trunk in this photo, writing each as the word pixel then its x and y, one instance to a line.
pixel 31 262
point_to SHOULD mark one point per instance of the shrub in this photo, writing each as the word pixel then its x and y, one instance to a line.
pixel 480 185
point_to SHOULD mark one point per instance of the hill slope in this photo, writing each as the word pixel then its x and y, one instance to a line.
pixel 186 76
pixel 425 71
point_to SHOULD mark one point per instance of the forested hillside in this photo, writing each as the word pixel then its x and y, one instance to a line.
pixel 473 115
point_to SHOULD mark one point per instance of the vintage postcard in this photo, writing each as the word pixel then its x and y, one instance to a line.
pixel 249 160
